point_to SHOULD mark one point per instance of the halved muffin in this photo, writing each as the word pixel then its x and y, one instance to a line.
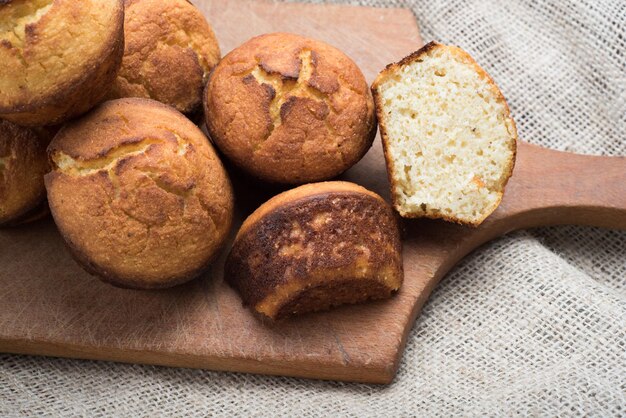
pixel 448 136
pixel 314 247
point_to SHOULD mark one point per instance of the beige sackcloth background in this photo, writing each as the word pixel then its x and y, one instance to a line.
pixel 531 324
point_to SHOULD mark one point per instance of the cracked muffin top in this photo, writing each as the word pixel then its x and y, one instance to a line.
pixel 139 194
pixel 23 163
pixel 289 109
pixel 58 57
pixel 170 50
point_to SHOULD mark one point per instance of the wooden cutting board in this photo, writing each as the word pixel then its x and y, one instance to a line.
pixel 49 306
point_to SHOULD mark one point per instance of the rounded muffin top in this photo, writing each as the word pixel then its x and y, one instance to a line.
pixel 139 193
pixel 170 50
pixel 47 46
pixel 289 109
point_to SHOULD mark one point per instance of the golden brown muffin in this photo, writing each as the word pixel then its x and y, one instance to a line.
pixel 288 109
pixel 170 50
pixel 139 194
pixel 59 57
pixel 23 163
pixel 314 247
pixel 448 135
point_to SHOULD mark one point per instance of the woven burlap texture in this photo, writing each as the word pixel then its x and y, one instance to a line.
pixel 531 324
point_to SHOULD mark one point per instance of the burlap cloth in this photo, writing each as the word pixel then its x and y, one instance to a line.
pixel 531 324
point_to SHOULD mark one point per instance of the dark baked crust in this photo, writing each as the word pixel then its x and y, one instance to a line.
pixel 73 77
pixel 139 194
pixel 289 109
pixel 169 53
pixel 39 212
pixel 23 163
pixel 310 249
pixel 336 292
pixel 389 71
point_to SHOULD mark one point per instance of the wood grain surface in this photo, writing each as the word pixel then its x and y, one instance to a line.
pixel 49 306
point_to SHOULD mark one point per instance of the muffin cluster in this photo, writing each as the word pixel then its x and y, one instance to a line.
pixel 98 112
pixel 99 105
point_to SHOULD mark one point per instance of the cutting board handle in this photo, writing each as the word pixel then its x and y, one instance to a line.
pixel 554 188
pixel 547 188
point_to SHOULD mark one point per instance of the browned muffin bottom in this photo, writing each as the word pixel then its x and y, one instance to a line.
pixel 23 163
pixel 139 194
pixel 59 57
pixel 170 50
pixel 314 247
pixel 289 109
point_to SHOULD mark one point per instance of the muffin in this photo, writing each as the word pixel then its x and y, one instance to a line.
pixel 59 57
pixel 23 163
pixel 289 109
pixel 170 50
pixel 139 194
pixel 448 135
pixel 314 247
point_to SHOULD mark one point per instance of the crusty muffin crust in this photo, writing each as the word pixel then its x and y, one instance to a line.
pixel 170 51
pixel 59 57
pixel 314 247
pixel 139 194
pixel 23 163
pixel 289 109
